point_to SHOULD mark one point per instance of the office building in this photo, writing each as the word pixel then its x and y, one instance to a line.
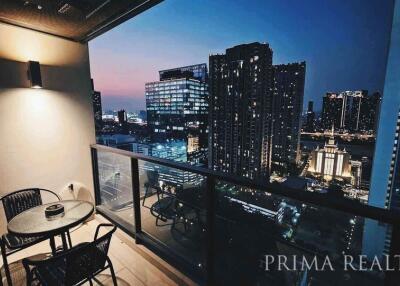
pixel 198 72
pixel 175 150
pixel 177 107
pixel 240 113
pixel 288 96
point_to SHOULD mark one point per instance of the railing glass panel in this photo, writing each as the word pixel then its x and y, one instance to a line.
pixel 232 231
pixel 265 239
pixel 173 210
pixel 115 182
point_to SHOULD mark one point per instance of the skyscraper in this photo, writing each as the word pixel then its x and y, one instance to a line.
pixel 369 114
pixel 343 110
pixel 310 118
pixel 122 117
pixel 384 187
pixel 240 113
pixel 97 110
pixel 332 105
pixel 177 108
pixel 288 96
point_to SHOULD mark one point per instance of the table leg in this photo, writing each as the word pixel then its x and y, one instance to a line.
pixel 64 241
pixel 53 245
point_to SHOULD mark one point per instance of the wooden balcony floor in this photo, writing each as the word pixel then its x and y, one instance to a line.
pixel 134 264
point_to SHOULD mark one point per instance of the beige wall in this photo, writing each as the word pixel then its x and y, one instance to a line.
pixel 44 134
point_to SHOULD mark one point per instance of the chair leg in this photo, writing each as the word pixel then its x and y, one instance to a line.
pixel 1 279
pixel 145 196
pixel 112 273
pixel 5 263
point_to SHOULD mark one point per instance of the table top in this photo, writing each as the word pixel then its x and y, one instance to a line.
pixel 33 221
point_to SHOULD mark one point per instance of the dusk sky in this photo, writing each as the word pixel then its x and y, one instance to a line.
pixel 344 43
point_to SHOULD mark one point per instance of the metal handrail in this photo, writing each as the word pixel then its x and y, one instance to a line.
pixel 339 204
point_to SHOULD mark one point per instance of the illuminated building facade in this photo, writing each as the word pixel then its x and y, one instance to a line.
pixel 240 113
pixel 352 111
pixel 175 150
pixel 331 163
pixel 177 108
pixel 288 96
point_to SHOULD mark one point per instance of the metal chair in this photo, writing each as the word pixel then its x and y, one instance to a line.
pixel 15 203
pixel 75 266
pixel 151 184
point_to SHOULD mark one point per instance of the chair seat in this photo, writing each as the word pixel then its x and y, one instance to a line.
pixel 50 275
pixel 15 242
pixel 55 273
pixel 164 208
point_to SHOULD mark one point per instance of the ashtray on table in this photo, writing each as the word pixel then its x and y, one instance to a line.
pixel 54 210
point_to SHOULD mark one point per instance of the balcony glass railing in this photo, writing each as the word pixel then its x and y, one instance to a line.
pixel 115 185
pixel 224 230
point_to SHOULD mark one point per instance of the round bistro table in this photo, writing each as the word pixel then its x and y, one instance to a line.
pixel 33 222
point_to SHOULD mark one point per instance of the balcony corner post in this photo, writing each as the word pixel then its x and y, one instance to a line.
pixel 95 172
pixel 210 255
pixel 136 198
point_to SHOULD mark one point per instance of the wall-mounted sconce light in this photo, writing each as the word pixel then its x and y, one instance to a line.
pixel 34 74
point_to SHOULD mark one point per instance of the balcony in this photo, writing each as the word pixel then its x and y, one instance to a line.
pixel 219 229
pixel 178 224
pixel 134 264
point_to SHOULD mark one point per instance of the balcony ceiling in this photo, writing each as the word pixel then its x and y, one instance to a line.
pixel 78 20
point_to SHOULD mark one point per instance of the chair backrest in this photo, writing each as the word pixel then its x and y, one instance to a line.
pixel 16 202
pixel 77 264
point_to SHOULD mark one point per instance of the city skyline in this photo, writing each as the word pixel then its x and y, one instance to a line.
pixel 331 51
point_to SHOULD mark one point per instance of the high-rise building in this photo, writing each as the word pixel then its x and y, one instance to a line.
pixel 332 105
pixel 122 117
pixel 177 107
pixel 288 96
pixel 369 114
pixel 240 113
pixel 342 110
pixel 97 110
pixel 353 111
pixel 123 121
pixel 384 187
pixel 310 118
